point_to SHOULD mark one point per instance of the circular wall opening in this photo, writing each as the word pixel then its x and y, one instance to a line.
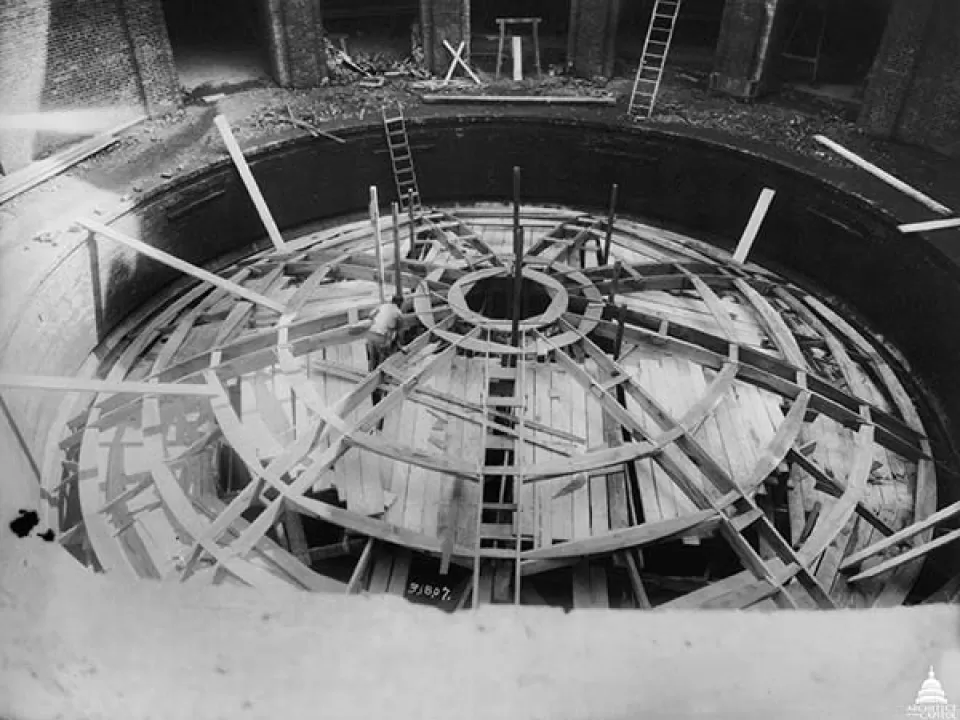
pixel 493 298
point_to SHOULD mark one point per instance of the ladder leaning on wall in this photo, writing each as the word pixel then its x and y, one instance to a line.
pixel 401 157
pixel 646 85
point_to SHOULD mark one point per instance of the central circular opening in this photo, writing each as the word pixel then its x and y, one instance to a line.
pixel 493 298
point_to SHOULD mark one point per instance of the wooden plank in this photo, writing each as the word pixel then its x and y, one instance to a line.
pixel 381 571
pixel 883 175
pixel 85 385
pixel 29 177
pixel 401 571
pixel 906 557
pixel 625 538
pixel 753 225
pixel 240 162
pixel 930 225
pixel 581 496
pixel 561 522
pixel 359 575
pixel 950 511
pixel 178 264
pixel 519 99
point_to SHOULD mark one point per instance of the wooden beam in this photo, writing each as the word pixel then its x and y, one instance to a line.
pixel 930 225
pixel 903 535
pixel 623 539
pixel 83 385
pixel 753 226
pixel 520 99
pixel 181 265
pixel 236 154
pixel 883 175
pixel 906 557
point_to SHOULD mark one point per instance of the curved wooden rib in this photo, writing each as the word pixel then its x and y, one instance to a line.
pixel 111 556
pixel 713 303
pixel 830 524
pixel 763 371
pixel 779 332
pixel 925 496
pixel 631 537
pixel 780 444
pixel 321 459
pixel 181 510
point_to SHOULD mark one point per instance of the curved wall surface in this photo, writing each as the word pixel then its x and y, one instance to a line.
pixel 821 231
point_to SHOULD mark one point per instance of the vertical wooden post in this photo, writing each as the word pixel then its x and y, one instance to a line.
pixel 517 259
pixel 621 324
pixel 413 228
pixel 375 221
pixel 611 218
pixel 396 249
pixel 252 188
pixel 516 45
pixel 615 283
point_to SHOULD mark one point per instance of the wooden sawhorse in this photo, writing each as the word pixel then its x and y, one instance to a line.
pixel 535 22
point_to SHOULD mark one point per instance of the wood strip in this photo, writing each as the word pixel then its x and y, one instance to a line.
pixel 906 557
pixel 84 385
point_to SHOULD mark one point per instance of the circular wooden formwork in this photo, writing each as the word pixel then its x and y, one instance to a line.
pixel 667 396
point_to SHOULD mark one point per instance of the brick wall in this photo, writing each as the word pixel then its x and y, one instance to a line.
pixel 914 89
pixel 76 54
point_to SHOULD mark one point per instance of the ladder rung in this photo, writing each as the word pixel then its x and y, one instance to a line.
pixel 501 442
pixel 496 531
pixel 505 402
pixel 502 507
pixel 501 373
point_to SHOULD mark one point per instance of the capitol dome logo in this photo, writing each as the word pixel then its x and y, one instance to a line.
pixel 931 702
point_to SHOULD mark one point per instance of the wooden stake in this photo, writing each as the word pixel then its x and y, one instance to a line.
pixel 236 154
pixel 611 217
pixel 413 223
pixel 883 175
pixel 615 283
pixel 930 225
pixel 753 226
pixel 375 220
pixel 516 43
pixel 181 265
pixel 621 327
pixel 517 260
pixel 396 249
pixel 72 384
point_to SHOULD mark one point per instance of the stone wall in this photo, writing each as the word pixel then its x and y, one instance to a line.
pixel 593 33
pixel 751 34
pixel 914 90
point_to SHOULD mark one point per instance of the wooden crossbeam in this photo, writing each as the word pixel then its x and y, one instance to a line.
pixel 181 265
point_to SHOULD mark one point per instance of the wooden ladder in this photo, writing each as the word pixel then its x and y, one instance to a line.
pixel 655 48
pixel 401 157
pixel 503 392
